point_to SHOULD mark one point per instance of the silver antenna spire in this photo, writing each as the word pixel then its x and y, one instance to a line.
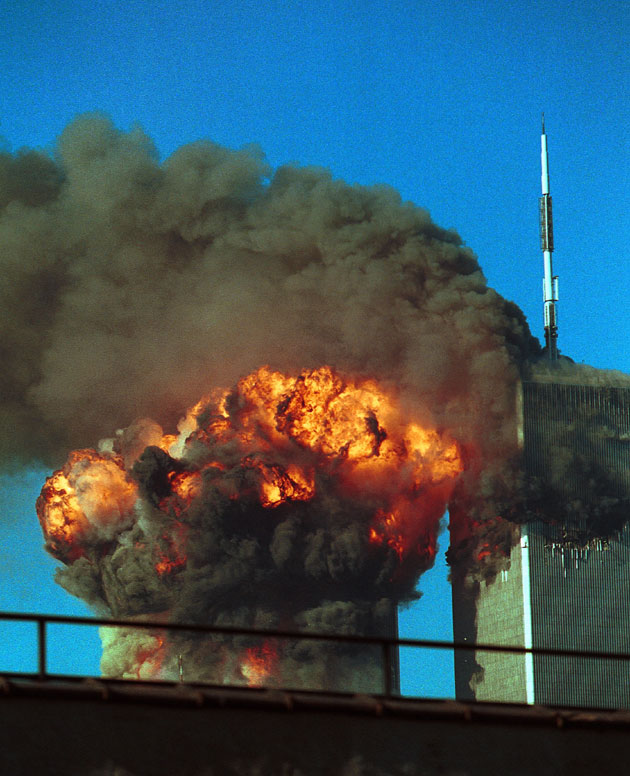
pixel 550 281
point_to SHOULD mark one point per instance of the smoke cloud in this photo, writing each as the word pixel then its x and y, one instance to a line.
pixel 132 287
pixel 306 502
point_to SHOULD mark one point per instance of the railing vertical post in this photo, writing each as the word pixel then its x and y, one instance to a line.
pixel 387 666
pixel 41 647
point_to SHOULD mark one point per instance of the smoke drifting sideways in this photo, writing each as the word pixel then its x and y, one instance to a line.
pixel 130 287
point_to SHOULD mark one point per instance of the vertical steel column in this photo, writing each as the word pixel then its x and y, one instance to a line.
pixel 41 647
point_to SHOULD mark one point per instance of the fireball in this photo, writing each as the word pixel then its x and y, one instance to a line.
pixel 220 505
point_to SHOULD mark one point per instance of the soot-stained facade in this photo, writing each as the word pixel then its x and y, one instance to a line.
pixel 567 584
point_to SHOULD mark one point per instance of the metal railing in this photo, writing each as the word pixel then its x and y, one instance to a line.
pixel 387 645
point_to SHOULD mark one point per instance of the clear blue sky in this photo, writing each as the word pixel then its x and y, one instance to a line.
pixel 441 100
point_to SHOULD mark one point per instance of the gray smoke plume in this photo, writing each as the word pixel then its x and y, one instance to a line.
pixel 132 287
pixel 129 286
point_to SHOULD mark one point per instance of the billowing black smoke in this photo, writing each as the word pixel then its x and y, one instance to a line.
pixel 131 287
pixel 306 503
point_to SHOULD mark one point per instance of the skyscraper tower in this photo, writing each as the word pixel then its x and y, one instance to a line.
pixel 564 583
pixel 550 281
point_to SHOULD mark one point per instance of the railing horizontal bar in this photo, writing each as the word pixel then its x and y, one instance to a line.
pixel 381 641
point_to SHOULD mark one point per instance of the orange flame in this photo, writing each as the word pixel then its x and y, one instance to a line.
pixel 149 658
pixel 91 496
pixel 279 485
pixel 387 531
pixel 285 433
pixel 354 425
pixel 176 556
pixel 259 664
pixel 185 488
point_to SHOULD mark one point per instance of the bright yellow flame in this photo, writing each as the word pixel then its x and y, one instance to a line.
pixel 91 494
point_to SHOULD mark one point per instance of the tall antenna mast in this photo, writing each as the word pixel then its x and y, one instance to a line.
pixel 550 281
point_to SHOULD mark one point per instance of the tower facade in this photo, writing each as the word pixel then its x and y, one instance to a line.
pixel 567 585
